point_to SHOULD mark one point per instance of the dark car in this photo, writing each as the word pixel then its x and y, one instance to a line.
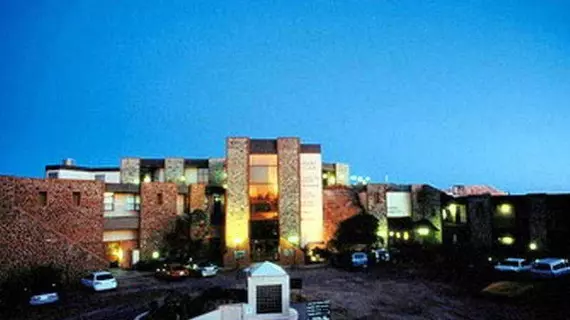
pixel 172 271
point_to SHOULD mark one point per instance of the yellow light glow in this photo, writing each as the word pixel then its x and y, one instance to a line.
pixel 146 178
pixel 182 178
pixel 119 254
pixel 155 255
pixel 406 235
pixel 532 246
pixel 237 241
pixel 225 186
pixel 444 214
pixel 505 209
pixel 423 231
pixel 391 233
pixel 137 181
pixel 331 180
pixel 325 175
pixel 398 235
pixel 507 240
pixel 293 240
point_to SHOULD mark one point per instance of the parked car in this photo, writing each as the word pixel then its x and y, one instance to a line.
pixel 550 268
pixel 172 271
pixel 100 281
pixel 359 260
pixel 43 292
pixel 205 269
pixel 513 265
pixel 381 255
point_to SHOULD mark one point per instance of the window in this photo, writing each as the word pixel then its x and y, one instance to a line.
pixel 42 198
pixel 77 198
pixel 263 185
pixel 109 201
pixel 269 299
pixel 100 177
pixel 203 175
pixel 160 199
pixel 133 202
pixel 53 175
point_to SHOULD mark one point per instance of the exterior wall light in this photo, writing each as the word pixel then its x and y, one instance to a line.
pixel 391 233
pixel 505 209
pixel 507 240
pixel 423 231
pixel 406 235
pixel 294 240
pixel 146 179
pixel 238 241
pixel 398 235
pixel 155 255
pixel 533 246
pixel 183 178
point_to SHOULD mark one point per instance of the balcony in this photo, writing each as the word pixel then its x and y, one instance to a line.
pixel 121 223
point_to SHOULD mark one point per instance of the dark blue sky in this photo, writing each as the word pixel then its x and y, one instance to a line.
pixel 437 92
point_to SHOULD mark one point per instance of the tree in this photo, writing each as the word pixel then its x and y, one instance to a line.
pixel 187 237
pixel 358 230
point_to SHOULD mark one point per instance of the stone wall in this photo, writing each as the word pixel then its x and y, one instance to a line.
pixel 340 203
pixel 376 206
pixel 479 215
pixel 538 220
pixel 197 196
pixel 426 204
pixel 130 170
pixel 216 171
pixel 237 197
pixel 173 169
pixel 156 218
pixel 289 187
pixel 59 232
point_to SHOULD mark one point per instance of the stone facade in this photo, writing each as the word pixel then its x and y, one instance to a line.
pixel 538 220
pixel 58 231
pixel 216 172
pixel 158 212
pixel 426 204
pixel 173 169
pixel 237 200
pixel 197 196
pixel 130 170
pixel 340 203
pixel 289 187
pixel 342 174
pixel 376 206
pixel 479 215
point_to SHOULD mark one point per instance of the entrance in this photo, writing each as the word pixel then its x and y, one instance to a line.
pixel 264 240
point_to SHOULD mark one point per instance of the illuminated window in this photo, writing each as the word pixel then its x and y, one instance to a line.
pixel 505 209
pixel 109 201
pixel 133 202
pixel 263 185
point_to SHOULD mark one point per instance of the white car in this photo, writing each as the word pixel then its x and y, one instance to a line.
pixel 550 268
pixel 42 293
pixel 513 265
pixel 206 269
pixel 100 281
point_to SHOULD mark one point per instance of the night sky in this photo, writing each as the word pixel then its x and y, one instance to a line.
pixel 438 92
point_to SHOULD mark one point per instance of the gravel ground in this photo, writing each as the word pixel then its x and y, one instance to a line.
pixel 378 294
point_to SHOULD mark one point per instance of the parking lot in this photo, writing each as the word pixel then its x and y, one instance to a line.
pixel 380 293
